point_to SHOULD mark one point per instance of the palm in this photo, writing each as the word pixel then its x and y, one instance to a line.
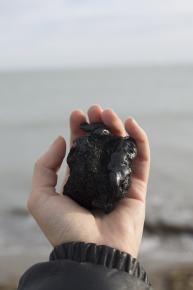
pixel 63 220
pixel 75 223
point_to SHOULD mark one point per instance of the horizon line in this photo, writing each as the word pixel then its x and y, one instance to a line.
pixel 97 66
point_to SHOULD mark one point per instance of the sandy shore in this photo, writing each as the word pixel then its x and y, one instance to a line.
pixel 7 287
pixel 174 279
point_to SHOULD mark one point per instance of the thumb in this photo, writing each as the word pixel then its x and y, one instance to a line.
pixel 46 167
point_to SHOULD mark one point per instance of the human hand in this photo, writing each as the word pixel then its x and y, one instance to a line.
pixel 63 220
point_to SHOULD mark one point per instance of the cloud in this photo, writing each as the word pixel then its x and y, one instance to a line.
pixel 58 33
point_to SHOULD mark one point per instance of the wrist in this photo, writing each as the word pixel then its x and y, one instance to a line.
pixel 103 255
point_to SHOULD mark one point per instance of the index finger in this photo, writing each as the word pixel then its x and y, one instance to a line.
pixel 76 118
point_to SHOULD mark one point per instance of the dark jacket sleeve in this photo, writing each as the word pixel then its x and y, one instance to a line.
pixel 86 266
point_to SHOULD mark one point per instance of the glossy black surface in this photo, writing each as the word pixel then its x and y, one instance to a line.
pixel 100 167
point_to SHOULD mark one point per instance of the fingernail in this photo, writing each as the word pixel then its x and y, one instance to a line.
pixel 53 143
pixel 131 119
pixel 134 121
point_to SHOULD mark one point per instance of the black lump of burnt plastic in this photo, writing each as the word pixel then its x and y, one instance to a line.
pixel 100 167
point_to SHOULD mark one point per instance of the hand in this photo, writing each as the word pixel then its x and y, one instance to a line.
pixel 63 220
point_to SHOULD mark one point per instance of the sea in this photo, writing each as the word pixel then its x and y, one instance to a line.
pixel 35 108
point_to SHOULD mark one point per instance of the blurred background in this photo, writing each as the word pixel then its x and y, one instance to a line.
pixel 133 56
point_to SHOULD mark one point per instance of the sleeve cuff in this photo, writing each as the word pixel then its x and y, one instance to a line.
pixel 100 255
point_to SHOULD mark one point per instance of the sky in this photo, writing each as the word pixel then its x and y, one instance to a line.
pixel 51 34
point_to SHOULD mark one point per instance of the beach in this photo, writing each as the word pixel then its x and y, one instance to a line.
pixel 35 108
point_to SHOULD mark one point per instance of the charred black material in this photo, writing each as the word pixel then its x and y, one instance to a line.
pixel 100 167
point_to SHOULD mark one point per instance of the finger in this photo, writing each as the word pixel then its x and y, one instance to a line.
pixel 94 113
pixel 76 118
pixel 142 162
pixel 113 122
pixel 46 167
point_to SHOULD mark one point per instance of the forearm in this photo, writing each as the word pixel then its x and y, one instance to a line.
pixel 78 266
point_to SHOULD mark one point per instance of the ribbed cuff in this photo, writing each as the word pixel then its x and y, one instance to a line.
pixel 100 255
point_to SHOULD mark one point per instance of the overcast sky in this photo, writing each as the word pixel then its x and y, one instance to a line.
pixel 56 33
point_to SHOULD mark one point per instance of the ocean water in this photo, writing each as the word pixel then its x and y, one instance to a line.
pixel 34 109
